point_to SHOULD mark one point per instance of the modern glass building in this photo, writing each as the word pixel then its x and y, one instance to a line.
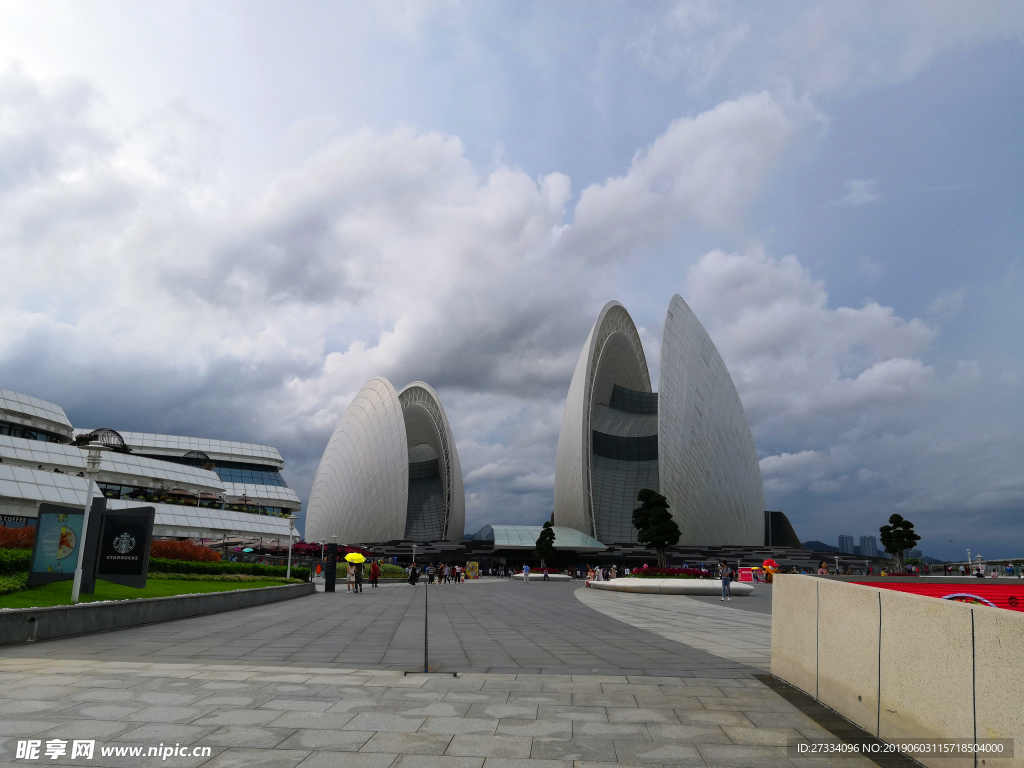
pixel 390 471
pixel 200 488
pixel 690 440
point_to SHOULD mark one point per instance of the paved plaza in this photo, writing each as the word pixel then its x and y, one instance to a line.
pixel 538 675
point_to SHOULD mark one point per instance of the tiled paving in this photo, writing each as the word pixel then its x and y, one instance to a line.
pixel 540 679
pixel 497 626
pixel 729 633
pixel 308 717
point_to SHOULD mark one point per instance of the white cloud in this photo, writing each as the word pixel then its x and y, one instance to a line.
pixel 948 304
pixel 703 170
pixel 826 46
pixel 858 192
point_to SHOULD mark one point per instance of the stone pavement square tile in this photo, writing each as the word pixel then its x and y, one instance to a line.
pixel 246 736
pixel 627 715
pixel 839 762
pixel 297 705
pixel 384 706
pixel 573 749
pixel 571 687
pixel 169 714
pixel 489 745
pixel 706 733
pixel 582 714
pixel 610 730
pixel 328 740
pixel 447 761
pixel 518 711
pixel 414 694
pixel 780 719
pixel 628 751
pixel 29 707
pixel 374 721
pixel 535 684
pixel 603 700
pixel 504 762
pixel 232 700
pixel 561 729
pixel 772 737
pixel 732 755
pixel 654 680
pixel 92 729
pixel 91 711
pixel 408 743
pixel 316 720
pixel 101 694
pixel 534 697
pixel 492 697
pixel 454 725
pixel 238 717
pixel 435 708
pixel 734 705
pixel 161 732
pixel 703 717
pixel 265 758
pixel 37 691
pixel 166 698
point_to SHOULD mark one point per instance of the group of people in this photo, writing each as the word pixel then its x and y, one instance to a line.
pixel 442 573
pixel 354 575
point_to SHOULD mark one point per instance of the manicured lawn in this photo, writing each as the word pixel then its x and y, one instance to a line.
pixel 59 593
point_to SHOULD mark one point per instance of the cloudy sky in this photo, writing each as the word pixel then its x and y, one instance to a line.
pixel 221 218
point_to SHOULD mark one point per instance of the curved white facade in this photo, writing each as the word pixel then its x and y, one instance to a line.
pixel 691 441
pixel 708 464
pixel 390 471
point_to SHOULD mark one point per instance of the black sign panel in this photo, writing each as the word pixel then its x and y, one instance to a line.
pixel 331 567
pixel 125 537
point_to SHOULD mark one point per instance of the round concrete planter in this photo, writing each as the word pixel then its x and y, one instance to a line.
pixel 672 586
pixel 534 576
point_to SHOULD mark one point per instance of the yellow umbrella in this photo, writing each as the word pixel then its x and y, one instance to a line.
pixel 355 557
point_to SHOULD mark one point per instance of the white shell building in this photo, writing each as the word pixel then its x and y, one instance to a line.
pixel 690 441
pixel 390 471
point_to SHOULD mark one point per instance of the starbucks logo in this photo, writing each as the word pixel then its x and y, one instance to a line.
pixel 124 543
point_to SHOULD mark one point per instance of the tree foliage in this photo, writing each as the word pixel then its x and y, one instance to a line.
pixel 545 546
pixel 654 524
pixel 897 537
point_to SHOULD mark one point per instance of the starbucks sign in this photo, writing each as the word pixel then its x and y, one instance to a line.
pixel 124 544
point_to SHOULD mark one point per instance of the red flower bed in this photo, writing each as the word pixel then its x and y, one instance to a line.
pixel 183 550
pixel 669 573
pixel 17 538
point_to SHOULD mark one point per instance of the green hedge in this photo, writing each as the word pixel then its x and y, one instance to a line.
pixel 14 561
pixel 160 565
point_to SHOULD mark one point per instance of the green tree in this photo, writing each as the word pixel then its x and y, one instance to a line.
pixel 654 525
pixel 897 537
pixel 545 547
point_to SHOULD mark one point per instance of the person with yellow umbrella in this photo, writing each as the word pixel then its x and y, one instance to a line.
pixel 355 571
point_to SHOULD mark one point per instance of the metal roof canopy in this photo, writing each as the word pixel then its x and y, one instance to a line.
pixel 525 537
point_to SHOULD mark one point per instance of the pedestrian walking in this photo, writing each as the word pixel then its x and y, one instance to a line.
pixel 358 584
pixel 374 573
pixel 526 574
pixel 350 578
pixel 726 582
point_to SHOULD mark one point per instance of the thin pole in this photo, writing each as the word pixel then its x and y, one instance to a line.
pixel 426 594
pixel 76 586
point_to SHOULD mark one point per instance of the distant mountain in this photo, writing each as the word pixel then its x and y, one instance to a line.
pixel 820 546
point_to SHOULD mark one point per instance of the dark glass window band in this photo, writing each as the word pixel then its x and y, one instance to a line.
pixel 631 401
pixel 625 448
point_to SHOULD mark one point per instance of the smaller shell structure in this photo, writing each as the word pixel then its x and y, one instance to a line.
pixel 390 471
